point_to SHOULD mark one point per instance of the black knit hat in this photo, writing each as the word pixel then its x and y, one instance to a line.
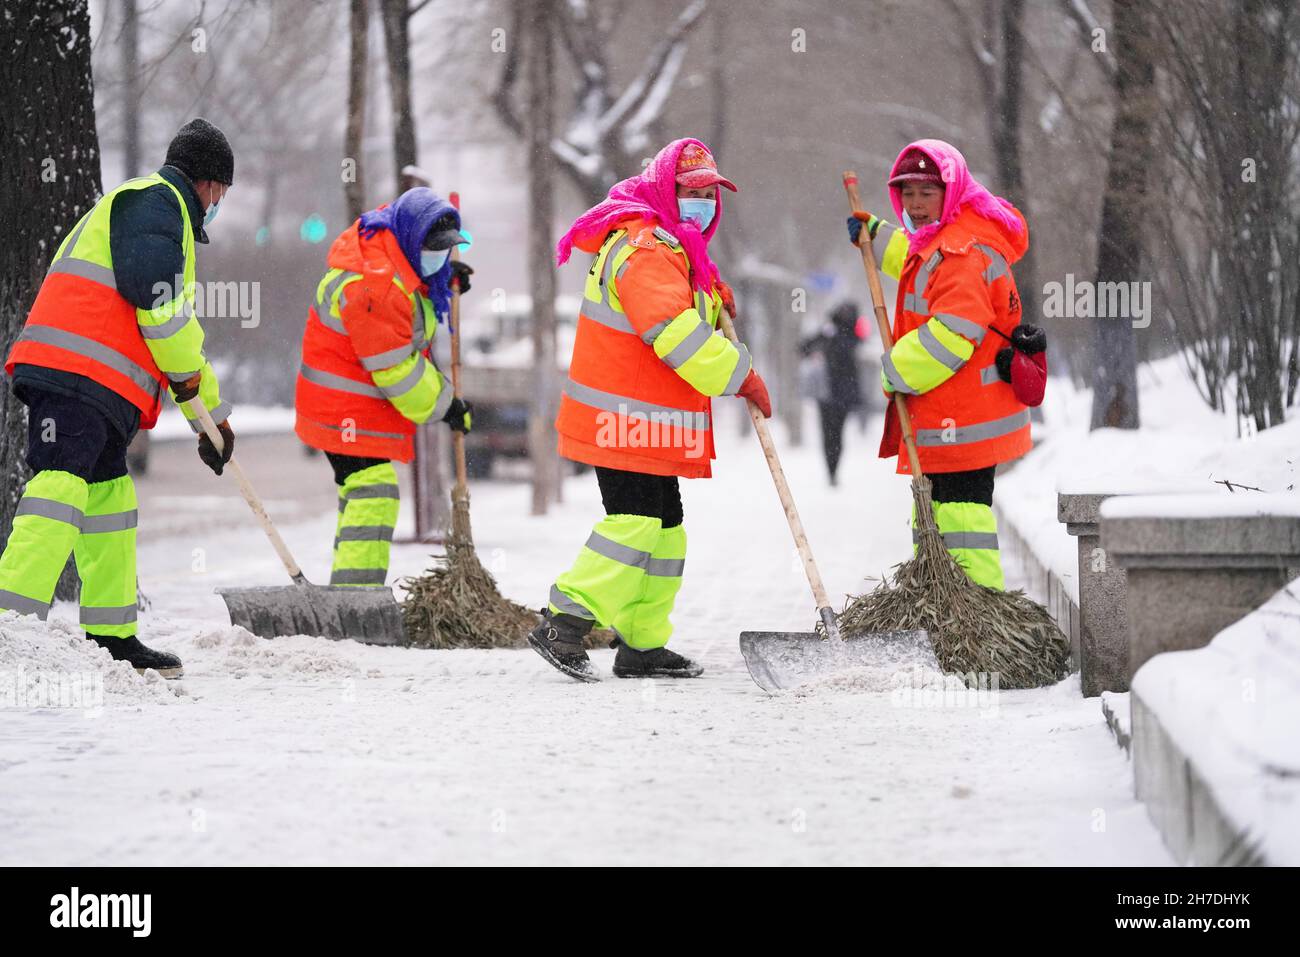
pixel 201 151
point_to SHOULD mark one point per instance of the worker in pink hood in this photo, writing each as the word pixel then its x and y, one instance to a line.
pixel 969 367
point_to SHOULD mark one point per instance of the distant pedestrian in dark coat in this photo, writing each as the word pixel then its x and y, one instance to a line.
pixel 842 391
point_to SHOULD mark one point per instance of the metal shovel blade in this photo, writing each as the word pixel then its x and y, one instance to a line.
pixel 369 615
pixel 784 660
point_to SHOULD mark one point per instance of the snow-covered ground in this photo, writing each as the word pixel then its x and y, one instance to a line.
pixel 303 750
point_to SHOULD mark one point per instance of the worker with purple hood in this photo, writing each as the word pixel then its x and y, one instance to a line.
pixel 368 377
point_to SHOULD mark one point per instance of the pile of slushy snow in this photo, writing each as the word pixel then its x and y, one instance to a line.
pixel 236 652
pixel 53 665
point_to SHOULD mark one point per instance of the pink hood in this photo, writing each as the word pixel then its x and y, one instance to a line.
pixel 962 191
pixel 651 196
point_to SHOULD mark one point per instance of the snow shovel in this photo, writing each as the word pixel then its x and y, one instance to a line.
pixel 780 660
pixel 369 615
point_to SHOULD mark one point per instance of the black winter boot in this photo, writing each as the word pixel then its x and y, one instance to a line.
pixel 140 656
pixel 559 639
pixel 655 663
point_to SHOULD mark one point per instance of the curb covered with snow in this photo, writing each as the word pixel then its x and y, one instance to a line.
pixel 1217 757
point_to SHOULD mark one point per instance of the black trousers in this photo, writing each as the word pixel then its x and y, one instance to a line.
pixel 635 493
pixel 973 486
pixel 833 416
pixel 68 435
pixel 345 465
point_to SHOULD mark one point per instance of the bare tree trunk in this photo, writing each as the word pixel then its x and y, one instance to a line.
pixel 354 190
pixel 396 18
pixel 1006 145
pixel 49 151
pixel 541 258
pixel 1123 210
pixel 130 42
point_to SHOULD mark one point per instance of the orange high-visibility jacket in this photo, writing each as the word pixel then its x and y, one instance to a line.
pixel 962 281
pixel 367 378
pixel 646 360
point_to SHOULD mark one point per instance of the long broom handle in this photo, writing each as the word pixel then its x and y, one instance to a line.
pixel 882 320
pixel 787 502
pixel 457 437
pixel 246 489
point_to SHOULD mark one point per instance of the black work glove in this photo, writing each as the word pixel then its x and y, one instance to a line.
pixel 208 453
pixel 459 416
pixel 184 391
pixel 461 271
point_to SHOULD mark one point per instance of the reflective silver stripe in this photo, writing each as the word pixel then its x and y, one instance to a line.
pixel 408 381
pixel 915 303
pixel 665 567
pixel 607 274
pixel 963 327
pixel 895 379
pixel 653 333
pixel 445 395
pixel 384 360
pixel 623 554
pixel 997 265
pixel 738 375
pixel 418 337
pixel 324 300
pixel 695 340
pixel 326 295
pixel 974 433
pixel 339 383
pixel 62 339
pixel 86 270
pixel 365 533
pixel 358 576
pixel 568 606
pixel 634 408
pixel 339 428
pixel 606 315
pixel 989 375
pixel 108 616
pixel 76 234
pixel 169 328
pixel 330 322
pixel 12 601
pixel 110 522
pixel 220 412
pixel 923 274
pixel 964 539
pixel 937 350
pixel 386 490
pixel 49 508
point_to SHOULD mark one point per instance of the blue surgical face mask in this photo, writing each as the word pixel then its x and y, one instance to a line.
pixel 431 260
pixel 211 214
pixel 700 210
pixel 907 223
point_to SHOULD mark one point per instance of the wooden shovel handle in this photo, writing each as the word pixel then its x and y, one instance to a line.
pixel 457 437
pixel 787 501
pixel 882 320
pixel 246 489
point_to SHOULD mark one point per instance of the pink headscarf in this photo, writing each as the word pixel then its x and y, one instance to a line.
pixel 652 196
pixel 961 190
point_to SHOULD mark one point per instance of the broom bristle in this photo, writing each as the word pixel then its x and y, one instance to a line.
pixel 456 604
pixel 974 630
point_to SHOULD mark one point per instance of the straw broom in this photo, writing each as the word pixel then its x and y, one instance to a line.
pixel 974 630
pixel 456 603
